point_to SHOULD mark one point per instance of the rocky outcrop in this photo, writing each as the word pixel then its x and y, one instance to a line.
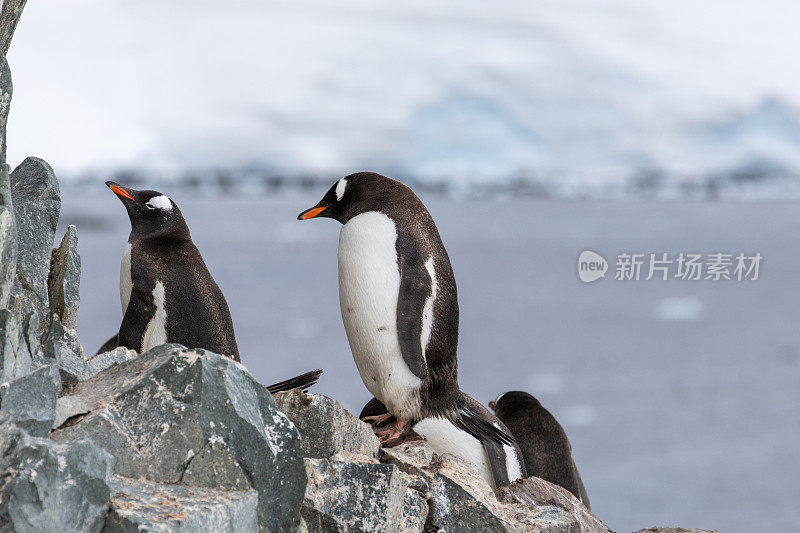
pixel 36 198
pixel 45 483
pixel 31 399
pixel 353 485
pixel 173 411
pixel 326 426
pixel 64 280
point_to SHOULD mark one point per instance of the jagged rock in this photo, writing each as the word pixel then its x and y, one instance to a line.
pixel 538 492
pixel 30 330
pixel 9 17
pixel 326 426
pixel 69 407
pixel 15 359
pixel 31 400
pixel 8 227
pixel 48 485
pixel 37 204
pixel 360 496
pixel 6 90
pixel 101 361
pixel 215 466
pixel 62 347
pixel 146 506
pixel 460 500
pixel 8 246
pixel 64 280
pixel 156 412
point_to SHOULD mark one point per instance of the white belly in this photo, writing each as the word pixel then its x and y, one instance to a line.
pixel 156 332
pixel 444 437
pixel 369 284
pixel 125 281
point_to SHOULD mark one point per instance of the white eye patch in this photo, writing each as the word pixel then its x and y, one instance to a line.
pixel 160 202
pixel 340 189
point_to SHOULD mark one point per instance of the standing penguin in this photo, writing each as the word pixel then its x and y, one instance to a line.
pixel 545 448
pixel 399 306
pixel 166 291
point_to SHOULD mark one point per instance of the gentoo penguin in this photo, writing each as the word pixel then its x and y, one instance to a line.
pixel 399 306
pixel 545 448
pixel 166 291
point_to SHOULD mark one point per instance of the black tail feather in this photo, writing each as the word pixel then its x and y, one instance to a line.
pixel 303 382
pixel 483 430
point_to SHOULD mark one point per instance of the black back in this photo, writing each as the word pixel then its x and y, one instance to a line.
pixel 197 313
pixel 417 240
pixel 545 447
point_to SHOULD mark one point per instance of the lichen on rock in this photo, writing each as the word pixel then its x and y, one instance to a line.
pixel 154 414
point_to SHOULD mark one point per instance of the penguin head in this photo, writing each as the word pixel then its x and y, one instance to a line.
pixel 356 194
pixel 152 214
pixel 508 401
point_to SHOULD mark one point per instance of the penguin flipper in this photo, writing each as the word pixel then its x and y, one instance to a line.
pixel 303 382
pixel 469 420
pixel 415 288
pixel 141 308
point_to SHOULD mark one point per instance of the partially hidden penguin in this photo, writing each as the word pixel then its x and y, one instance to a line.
pixel 167 293
pixel 546 451
pixel 399 306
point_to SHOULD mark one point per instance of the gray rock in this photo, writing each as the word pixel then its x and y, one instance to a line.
pixel 534 492
pixel 68 408
pixel 460 500
pixel 64 280
pixel 9 17
pixel 146 506
pixel 37 204
pixel 47 485
pixel 360 496
pixel 156 412
pixel 455 507
pixel 215 466
pixel 6 90
pixel 8 246
pixel 325 426
pixel 8 227
pixel 31 400
pixel 30 330
pixel 15 359
pixel 101 361
pixel 62 347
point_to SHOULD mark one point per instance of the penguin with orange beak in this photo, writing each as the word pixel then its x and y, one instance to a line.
pixel 167 293
pixel 397 295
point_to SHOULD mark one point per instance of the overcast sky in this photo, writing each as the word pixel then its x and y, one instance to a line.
pixel 461 89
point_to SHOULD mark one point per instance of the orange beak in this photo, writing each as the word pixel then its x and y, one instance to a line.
pixel 311 213
pixel 119 191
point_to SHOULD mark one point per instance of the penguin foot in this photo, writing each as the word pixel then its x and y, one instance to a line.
pixel 400 433
pixel 378 420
